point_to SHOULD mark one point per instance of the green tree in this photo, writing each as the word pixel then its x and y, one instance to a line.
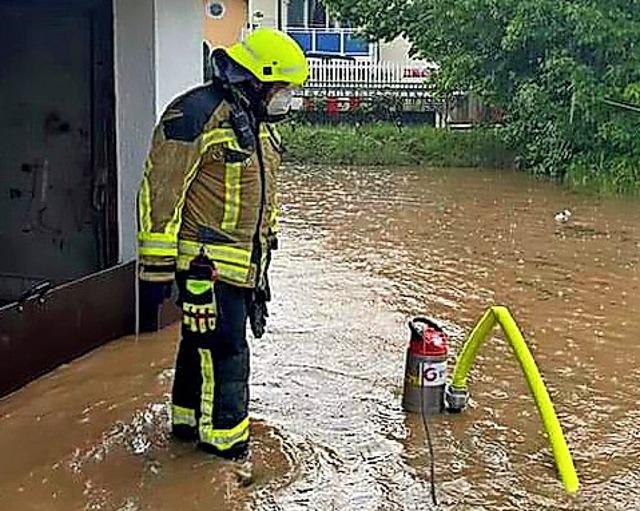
pixel 549 65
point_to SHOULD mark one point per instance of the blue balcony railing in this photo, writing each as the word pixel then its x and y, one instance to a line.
pixel 331 41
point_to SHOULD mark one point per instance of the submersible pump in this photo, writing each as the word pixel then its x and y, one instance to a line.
pixel 426 367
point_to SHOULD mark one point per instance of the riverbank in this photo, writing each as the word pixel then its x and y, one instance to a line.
pixel 386 145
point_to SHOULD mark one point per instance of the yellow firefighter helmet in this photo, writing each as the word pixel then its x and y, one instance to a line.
pixel 271 56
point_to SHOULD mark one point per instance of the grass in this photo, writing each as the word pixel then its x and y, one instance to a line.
pixel 620 176
pixel 385 144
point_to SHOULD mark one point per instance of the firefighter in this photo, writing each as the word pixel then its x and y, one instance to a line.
pixel 207 219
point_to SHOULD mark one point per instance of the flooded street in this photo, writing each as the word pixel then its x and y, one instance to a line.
pixel 362 251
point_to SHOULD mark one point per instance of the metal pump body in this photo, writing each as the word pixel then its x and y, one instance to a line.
pixel 426 368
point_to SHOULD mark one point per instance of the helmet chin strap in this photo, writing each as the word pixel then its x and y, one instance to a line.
pixel 274 119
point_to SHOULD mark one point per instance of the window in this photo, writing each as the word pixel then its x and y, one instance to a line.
pixel 215 9
pixel 295 13
pixel 308 14
pixel 310 24
pixel 316 14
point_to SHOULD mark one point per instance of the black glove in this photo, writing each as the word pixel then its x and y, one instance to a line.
pixel 258 313
pixel 152 295
pixel 272 242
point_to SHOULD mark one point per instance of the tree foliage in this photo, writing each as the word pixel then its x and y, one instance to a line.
pixel 548 64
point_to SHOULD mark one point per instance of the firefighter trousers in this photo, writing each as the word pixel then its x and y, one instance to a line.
pixel 210 395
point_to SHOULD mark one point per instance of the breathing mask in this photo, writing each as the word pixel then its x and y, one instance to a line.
pixel 279 105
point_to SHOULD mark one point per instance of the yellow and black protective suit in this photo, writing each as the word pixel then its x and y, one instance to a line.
pixel 207 211
pixel 207 217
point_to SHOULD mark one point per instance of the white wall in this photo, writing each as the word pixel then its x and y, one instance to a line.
pixel 398 51
pixel 179 36
pixel 269 9
pixel 135 107
pixel 158 55
pixel 395 51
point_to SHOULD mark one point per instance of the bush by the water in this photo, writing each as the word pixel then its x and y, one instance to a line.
pixel 566 74
pixel 386 144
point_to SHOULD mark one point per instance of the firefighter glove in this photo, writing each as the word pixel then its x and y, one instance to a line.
pixel 199 309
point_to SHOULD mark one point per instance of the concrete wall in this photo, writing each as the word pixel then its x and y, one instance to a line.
pixel 135 106
pixel 178 56
pixel 158 55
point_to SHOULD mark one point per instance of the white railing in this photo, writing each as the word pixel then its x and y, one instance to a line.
pixel 336 73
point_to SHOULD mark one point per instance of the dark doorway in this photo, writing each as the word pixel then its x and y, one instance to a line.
pixel 56 142
pixel 58 178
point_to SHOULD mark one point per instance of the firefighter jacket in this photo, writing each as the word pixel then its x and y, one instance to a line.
pixel 200 188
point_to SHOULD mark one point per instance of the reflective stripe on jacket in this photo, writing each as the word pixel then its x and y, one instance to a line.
pixel 200 188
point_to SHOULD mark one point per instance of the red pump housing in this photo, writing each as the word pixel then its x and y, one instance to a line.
pixel 433 343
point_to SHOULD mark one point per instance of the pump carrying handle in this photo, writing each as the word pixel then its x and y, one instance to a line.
pixel 413 325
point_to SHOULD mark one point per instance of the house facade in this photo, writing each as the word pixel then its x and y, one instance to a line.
pixel 341 63
pixel 82 85
pixel 307 21
pixel 224 21
pixel 310 23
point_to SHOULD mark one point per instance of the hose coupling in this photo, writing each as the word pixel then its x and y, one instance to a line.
pixel 455 399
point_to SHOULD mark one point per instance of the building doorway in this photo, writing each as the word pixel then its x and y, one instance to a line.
pixel 58 180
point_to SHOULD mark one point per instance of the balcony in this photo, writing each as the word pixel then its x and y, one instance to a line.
pixel 334 74
pixel 332 41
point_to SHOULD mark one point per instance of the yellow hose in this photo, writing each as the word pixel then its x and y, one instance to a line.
pixel 502 316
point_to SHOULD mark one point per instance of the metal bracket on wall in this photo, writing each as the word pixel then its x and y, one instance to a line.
pixel 37 291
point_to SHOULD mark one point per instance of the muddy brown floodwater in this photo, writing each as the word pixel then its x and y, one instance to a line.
pixel 363 250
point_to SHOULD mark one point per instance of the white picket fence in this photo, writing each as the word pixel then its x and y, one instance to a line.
pixel 358 73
